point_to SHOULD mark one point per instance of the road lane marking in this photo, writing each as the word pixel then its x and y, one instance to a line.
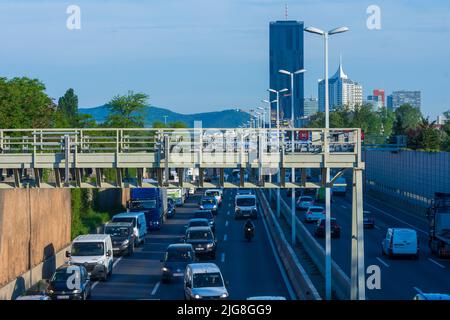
pixel 225 237
pixel 343 207
pixel 277 259
pixel 228 213
pixel 395 218
pixel 94 285
pixel 222 257
pixel 226 223
pixel 384 263
pixel 377 227
pixel 436 263
pixel 156 288
pixel 418 290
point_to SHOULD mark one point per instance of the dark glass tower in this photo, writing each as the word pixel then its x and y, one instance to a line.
pixel 286 52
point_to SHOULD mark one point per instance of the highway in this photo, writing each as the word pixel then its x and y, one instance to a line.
pixel 400 278
pixel 250 268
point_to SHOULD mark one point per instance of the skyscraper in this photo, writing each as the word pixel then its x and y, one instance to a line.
pixel 397 98
pixel 311 106
pixel 286 52
pixel 342 91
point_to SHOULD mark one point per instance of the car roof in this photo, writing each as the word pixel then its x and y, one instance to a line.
pixel 203 267
pixel 128 214
pixel 434 296
pixel 208 198
pixel 198 220
pixel 199 228
pixel 91 237
pixel 214 190
pixel 67 265
pixel 316 207
pixel 243 196
pixel 179 246
pixel 403 230
pixel 119 224
pixel 266 298
pixel 306 196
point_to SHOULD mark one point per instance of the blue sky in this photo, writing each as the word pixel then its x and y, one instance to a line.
pixel 202 55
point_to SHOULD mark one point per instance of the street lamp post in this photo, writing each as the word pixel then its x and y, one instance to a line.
pixel 292 74
pixel 325 36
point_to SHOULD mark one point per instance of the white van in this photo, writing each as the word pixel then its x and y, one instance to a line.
pixel 400 242
pixel 245 206
pixel 138 221
pixel 95 253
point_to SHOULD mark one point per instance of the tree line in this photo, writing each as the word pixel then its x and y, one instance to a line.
pixel 384 125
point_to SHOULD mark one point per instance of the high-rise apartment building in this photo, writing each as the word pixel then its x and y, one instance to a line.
pixel 398 98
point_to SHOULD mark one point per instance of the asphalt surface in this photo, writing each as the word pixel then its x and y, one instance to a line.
pixel 250 267
pixel 401 278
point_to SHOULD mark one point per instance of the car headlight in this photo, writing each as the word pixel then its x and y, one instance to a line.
pixel 197 296
pixel 101 261
pixel 164 269
pixel 210 245
pixel 238 209
pixel 51 291
pixel 215 207
pixel 76 291
pixel 125 243
pixel 224 295
pixel 201 207
pixel 211 222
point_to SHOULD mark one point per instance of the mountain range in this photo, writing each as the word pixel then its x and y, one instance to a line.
pixel 230 118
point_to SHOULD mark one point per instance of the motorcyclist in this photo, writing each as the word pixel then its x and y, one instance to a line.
pixel 249 225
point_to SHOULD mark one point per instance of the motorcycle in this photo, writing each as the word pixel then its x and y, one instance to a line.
pixel 249 233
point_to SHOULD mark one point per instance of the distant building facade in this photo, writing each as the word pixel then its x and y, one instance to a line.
pixel 311 106
pixel 398 98
pixel 375 101
pixel 342 91
pixel 441 120
pixel 286 52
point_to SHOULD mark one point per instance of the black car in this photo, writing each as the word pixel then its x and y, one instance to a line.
pixel 206 214
pixel 176 258
pixel 320 229
pixel 202 240
pixel 368 220
pixel 122 237
pixel 70 282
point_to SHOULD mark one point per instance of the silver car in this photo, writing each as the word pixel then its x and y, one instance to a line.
pixel 204 281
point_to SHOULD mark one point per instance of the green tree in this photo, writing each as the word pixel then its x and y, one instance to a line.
pixel 68 107
pixel 406 118
pixel 174 124
pixel 24 104
pixel 127 111
pixel 426 136
pixel 387 119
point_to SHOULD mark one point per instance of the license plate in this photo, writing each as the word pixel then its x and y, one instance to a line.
pixel 63 297
pixel 178 274
pixel 199 249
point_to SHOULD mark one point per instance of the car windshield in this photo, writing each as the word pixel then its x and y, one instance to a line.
pixel 212 193
pixel 178 255
pixel 204 215
pixel 123 219
pixel 199 223
pixel 309 199
pixel 204 280
pixel 245 202
pixel 316 210
pixel 208 201
pixel 62 275
pixel 143 204
pixel 115 231
pixel 199 235
pixel 88 249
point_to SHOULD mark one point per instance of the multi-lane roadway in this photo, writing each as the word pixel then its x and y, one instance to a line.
pixel 400 278
pixel 251 268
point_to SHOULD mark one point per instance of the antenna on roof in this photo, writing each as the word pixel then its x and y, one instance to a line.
pixel 286 11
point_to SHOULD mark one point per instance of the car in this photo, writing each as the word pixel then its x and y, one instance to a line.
pixel 400 242
pixel 204 281
pixel 62 287
pixel 304 202
pixel 122 237
pixel 176 258
pixel 95 253
pixel 431 296
pixel 368 220
pixel 139 224
pixel 202 240
pixel 209 203
pixel 208 215
pixel 245 206
pixel 314 213
pixel 197 222
pixel 320 228
pixel 216 193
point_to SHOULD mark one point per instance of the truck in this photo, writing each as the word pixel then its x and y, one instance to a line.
pixel 151 201
pixel 438 215
pixel 177 196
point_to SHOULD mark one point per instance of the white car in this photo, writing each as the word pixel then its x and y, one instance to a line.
pixel 204 281
pixel 304 202
pixel 431 296
pixel 400 242
pixel 314 213
pixel 216 193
